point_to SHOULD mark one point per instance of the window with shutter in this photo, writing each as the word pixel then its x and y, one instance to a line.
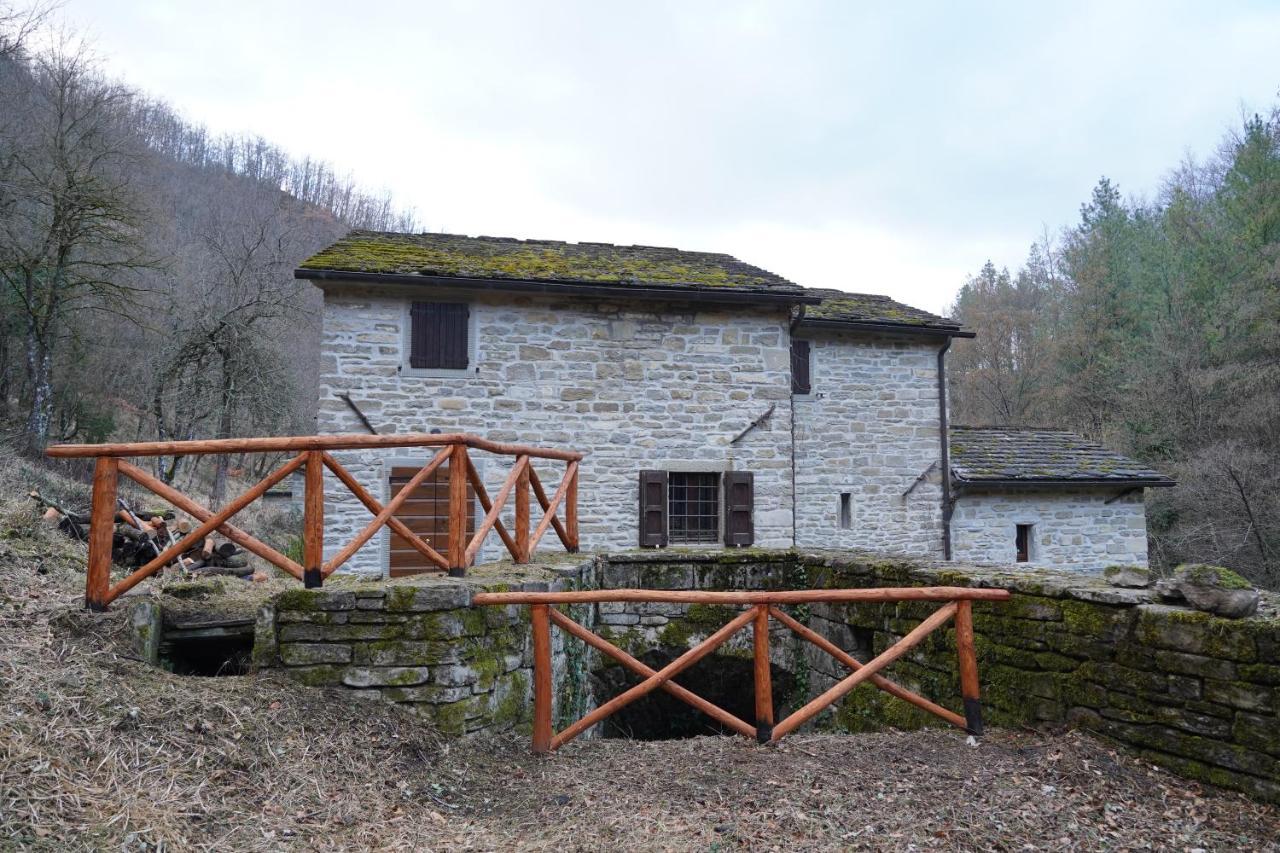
pixel 653 509
pixel 439 335
pixel 739 500
pixel 800 381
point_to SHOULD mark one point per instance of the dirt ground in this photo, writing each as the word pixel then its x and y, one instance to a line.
pixel 98 751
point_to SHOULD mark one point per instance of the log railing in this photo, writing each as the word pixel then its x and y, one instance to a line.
pixel 761 607
pixel 313 454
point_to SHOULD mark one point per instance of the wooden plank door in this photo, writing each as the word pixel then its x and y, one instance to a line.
pixel 426 513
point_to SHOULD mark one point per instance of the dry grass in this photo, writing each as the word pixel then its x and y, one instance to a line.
pixel 98 751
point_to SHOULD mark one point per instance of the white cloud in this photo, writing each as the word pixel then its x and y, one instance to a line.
pixel 873 148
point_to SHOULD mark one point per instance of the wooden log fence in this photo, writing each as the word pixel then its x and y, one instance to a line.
pixel 313 457
pixel 761 607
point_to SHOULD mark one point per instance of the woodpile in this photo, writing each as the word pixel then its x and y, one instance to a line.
pixel 140 537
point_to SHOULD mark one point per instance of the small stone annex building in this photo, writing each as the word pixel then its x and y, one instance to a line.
pixel 719 403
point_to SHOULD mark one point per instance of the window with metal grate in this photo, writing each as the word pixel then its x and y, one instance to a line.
pixel 693 507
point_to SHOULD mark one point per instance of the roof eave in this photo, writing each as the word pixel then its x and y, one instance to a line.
pixel 691 293
pixel 1027 482
pixel 890 328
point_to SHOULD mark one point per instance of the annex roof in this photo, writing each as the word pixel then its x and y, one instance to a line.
pixel 862 309
pixel 1012 455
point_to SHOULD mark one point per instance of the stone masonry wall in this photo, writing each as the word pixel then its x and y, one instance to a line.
pixel 870 428
pixel 1194 693
pixel 423 645
pixel 636 385
pixel 1073 528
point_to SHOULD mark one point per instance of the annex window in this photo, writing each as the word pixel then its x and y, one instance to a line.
pixel 801 381
pixel 1022 541
pixel 696 507
pixel 439 335
pixel 846 510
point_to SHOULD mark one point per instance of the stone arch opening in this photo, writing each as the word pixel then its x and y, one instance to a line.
pixel 726 680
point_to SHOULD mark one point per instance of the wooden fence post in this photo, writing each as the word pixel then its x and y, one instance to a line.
pixel 313 521
pixel 540 618
pixel 458 511
pixel 522 512
pixel 102 530
pixel 968 665
pixel 571 512
pixel 763 678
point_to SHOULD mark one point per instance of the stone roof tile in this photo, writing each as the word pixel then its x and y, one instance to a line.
pixel 839 306
pixel 459 256
pixel 1008 454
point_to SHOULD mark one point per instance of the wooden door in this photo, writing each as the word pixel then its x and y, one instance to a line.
pixel 426 513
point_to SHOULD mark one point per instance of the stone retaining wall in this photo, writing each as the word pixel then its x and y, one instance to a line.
pixel 1189 691
pixel 464 668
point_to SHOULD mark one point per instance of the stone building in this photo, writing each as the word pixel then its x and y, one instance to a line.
pixel 684 376
pixel 1069 503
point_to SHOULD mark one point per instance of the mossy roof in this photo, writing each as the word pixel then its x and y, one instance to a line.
pixel 551 261
pixel 1011 454
pixel 554 262
pixel 860 308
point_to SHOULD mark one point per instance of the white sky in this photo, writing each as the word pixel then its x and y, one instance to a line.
pixel 886 148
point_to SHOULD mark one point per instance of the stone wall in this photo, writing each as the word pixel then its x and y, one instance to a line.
pixel 637 385
pixel 1074 528
pixel 423 645
pixel 870 428
pixel 1192 692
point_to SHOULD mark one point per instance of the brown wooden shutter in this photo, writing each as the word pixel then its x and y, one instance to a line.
pixel 653 509
pixel 438 335
pixel 739 503
pixel 800 382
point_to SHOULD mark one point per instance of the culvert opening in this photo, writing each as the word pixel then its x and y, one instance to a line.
pixel 208 657
pixel 723 680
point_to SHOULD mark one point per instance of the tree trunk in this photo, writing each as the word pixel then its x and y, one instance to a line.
pixel 39 369
pixel 218 493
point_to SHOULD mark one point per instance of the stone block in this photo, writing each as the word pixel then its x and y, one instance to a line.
pixel 385 676
pixel 315 599
pixel 1191 631
pixel 406 653
pixel 454 675
pixel 145 626
pixel 426 597
pixel 303 654
pixel 1234 694
pixel 1258 731
pixel 305 632
pixel 432 693
pixel 1198 666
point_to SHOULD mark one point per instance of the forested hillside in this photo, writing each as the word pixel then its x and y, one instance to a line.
pixel 1154 327
pixel 146 287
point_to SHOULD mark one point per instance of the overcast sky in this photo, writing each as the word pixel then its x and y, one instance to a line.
pixel 887 147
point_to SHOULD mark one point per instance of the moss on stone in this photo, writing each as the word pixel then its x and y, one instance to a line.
pixel 473 621
pixel 450 718
pixel 537 260
pixel 1095 620
pixel 509 710
pixel 316 676
pixel 297 599
pixel 713 616
pixel 1203 574
pixel 675 634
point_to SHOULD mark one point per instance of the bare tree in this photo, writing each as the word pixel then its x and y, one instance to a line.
pixel 69 230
